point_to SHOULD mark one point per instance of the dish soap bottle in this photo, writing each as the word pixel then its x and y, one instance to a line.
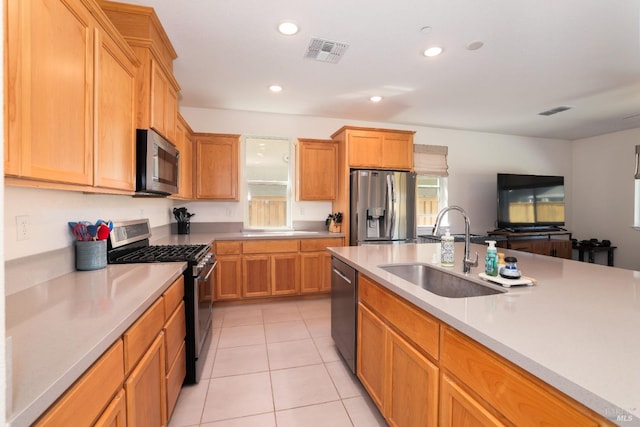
pixel 491 259
pixel 446 250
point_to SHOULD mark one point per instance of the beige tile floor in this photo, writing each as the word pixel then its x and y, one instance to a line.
pixel 275 364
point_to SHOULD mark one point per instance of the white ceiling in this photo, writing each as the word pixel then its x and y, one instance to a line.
pixel 537 55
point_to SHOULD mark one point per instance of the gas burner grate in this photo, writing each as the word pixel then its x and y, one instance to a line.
pixel 163 253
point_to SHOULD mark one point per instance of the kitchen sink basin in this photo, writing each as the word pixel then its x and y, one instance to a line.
pixel 440 282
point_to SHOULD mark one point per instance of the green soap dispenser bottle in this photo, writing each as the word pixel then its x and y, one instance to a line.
pixel 491 259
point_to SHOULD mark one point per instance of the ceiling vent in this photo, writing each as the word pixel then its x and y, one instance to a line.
pixel 556 110
pixel 325 50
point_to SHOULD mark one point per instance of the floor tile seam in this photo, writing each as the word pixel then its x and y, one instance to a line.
pixel 308 405
pixel 237 418
pixel 306 365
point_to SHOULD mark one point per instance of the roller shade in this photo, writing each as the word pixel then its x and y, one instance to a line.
pixel 430 160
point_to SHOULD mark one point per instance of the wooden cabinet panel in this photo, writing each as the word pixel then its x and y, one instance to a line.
pixel 49 90
pixel 142 333
pixel 458 408
pixel 269 246
pixel 163 102
pixel 116 413
pixel 217 166
pixel 315 275
pixel 397 150
pixel 174 334
pixel 185 147
pixel 173 296
pixel 317 169
pixel 228 277
pixel 365 149
pixel 285 274
pixel 145 387
pixel 256 275
pixel 412 385
pixel 88 397
pixel 372 336
pixel 115 116
pixel 227 248
pixel 415 324
pixel 174 379
pixel 313 245
pixel 520 397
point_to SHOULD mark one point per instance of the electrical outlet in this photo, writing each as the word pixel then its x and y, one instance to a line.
pixel 22 227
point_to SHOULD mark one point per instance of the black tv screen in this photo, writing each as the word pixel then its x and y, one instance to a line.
pixel 530 201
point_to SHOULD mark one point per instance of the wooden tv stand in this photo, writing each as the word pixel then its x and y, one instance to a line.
pixel 551 243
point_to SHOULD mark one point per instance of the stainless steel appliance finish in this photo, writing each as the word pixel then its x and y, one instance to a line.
pixel 156 164
pixel 344 313
pixel 383 207
pixel 129 243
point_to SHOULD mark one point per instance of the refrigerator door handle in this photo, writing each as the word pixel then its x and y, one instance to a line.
pixel 391 220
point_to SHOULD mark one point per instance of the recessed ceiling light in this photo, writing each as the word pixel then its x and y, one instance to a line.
pixel 275 88
pixel 288 28
pixel 375 98
pixel 433 51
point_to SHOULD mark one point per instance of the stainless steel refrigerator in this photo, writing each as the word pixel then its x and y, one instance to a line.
pixel 383 207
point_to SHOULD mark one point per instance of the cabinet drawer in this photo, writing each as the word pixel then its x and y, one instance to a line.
pixel 87 398
pixel 513 392
pixel 270 246
pixel 312 245
pixel 142 333
pixel 175 377
pixel 415 324
pixel 228 248
pixel 174 333
pixel 173 296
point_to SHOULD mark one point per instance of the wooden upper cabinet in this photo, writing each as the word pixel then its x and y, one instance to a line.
pixel 217 166
pixel 69 98
pixel 49 92
pixel 376 148
pixel 115 117
pixel 317 169
pixel 184 144
pixel 157 88
pixel 163 103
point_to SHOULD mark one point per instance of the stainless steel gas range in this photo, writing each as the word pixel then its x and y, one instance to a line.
pixel 129 243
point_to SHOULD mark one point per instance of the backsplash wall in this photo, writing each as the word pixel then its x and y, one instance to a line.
pixel 48 212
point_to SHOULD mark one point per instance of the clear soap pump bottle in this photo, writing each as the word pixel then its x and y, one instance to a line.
pixel 491 259
pixel 446 250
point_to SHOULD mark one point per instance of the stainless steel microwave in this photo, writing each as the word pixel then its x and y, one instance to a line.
pixel 156 164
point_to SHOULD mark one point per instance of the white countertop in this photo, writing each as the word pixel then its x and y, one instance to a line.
pixel 576 329
pixel 206 238
pixel 57 329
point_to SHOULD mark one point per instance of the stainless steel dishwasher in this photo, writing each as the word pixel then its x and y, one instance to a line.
pixel 344 310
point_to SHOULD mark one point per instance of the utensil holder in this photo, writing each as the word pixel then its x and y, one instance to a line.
pixel 184 227
pixel 91 255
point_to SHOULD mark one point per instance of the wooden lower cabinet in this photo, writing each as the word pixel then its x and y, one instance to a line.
pixel 453 381
pixel 315 264
pixel 458 408
pixel 116 413
pixel 146 391
pixel 401 381
pixel 83 403
pixel 137 381
pixel 228 277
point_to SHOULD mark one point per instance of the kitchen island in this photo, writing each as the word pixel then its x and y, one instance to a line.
pixel 573 330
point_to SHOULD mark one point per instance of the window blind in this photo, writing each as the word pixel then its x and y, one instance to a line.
pixel 430 160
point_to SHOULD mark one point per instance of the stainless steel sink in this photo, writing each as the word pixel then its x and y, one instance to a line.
pixel 441 282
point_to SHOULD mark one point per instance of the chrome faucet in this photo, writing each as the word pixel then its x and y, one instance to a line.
pixel 467 263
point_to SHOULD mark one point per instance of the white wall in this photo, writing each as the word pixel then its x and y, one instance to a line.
pixel 49 211
pixel 474 159
pixel 603 193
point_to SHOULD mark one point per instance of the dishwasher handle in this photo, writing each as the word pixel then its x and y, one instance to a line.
pixel 339 273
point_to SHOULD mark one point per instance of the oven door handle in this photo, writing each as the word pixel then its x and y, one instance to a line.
pixel 206 277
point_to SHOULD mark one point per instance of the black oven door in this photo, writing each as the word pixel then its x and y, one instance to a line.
pixel 203 291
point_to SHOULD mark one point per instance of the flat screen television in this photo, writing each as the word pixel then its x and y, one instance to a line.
pixel 530 202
